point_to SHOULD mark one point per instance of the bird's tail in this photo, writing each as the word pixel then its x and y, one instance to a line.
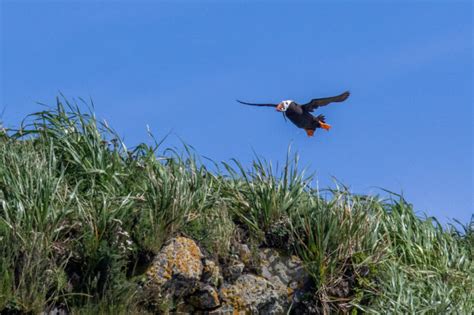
pixel 321 118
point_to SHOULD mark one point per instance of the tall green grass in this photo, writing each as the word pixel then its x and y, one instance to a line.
pixel 81 216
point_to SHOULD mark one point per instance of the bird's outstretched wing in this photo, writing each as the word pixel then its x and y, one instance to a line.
pixel 253 104
pixel 317 102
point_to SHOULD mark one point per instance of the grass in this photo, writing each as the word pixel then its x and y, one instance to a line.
pixel 81 214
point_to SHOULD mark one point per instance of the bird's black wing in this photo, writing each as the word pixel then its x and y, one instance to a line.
pixel 317 102
pixel 253 104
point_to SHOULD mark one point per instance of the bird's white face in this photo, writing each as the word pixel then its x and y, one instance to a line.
pixel 283 106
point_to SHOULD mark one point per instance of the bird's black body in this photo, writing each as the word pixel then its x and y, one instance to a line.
pixel 301 116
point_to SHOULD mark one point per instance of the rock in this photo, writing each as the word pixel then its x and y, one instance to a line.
pixel 181 280
pixel 211 273
pixel 285 272
pixel 226 310
pixel 244 253
pixel 234 270
pixel 177 269
pixel 205 298
pixel 254 294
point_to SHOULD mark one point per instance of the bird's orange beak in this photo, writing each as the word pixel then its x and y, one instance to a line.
pixel 279 107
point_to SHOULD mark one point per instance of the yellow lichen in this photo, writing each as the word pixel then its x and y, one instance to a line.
pixel 181 256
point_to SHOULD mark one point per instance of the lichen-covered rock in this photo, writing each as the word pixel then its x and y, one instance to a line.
pixel 177 269
pixel 182 280
pixel 226 310
pixel 205 298
pixel 211 273
pixel 234 270
pixel 285 272
pixel 254 294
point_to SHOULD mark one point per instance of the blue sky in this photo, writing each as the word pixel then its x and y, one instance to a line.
pixel 179 66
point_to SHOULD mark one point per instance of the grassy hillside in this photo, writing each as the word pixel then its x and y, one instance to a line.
pixel 81 215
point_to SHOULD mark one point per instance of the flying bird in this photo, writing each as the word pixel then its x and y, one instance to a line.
pixel 301 115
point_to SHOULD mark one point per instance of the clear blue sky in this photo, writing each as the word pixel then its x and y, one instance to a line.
pixel 178 67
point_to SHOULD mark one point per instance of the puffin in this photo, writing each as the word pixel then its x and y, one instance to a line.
pixel 301 116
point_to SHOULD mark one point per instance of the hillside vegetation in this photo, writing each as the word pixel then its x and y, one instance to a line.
pixel 81 215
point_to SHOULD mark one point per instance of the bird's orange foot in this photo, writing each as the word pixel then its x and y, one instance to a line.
pixel 325 126
pixel 310 132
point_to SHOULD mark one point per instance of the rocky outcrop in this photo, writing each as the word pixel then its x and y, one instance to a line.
pixel 176 270
pixel 254 294
pixel 211 273
pixel 285 272
pixel 181 257
pixel 184 280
